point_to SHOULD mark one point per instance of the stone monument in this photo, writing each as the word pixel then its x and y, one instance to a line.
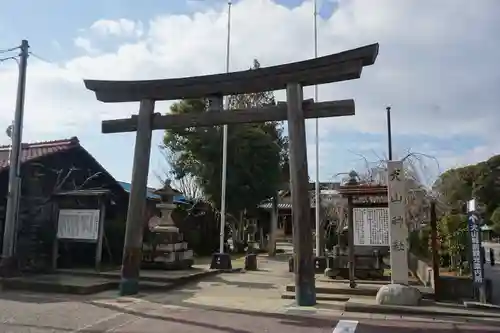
pixel 167 245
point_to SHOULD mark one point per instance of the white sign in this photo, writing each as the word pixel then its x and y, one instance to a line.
pixel 80 224
pixel 471 205
pixel 398 234
pixel 371 226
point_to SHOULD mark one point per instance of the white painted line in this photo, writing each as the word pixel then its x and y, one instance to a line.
pixel 345 326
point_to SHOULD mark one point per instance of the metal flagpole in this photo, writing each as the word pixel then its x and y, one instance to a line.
pixel 316 187
pixel 224 140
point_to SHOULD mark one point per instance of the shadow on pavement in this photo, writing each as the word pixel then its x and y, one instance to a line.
pixel 244 284
pixel 40 298
pixel 171 319
pixel 419 327
pixel 36 328
pixel 286 319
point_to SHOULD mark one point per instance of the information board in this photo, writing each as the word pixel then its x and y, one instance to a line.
pixel 371 226
pixel 78 224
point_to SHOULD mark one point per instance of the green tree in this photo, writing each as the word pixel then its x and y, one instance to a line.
pixel 487 184
pixel 256 154
pixel 495 220
pixel 453 235
pixel 456 186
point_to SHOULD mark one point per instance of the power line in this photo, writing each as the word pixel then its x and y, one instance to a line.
pixel 9 50
pixel 9 58
pixel 40 58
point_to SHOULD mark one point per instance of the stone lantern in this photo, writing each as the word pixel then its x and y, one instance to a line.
pixel 169 247
pixel 166 207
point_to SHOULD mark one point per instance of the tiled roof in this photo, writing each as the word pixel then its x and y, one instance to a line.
pixel 285 202
pixel 31 151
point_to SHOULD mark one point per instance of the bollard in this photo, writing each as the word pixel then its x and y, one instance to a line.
pixel 492 257
pixel 251 262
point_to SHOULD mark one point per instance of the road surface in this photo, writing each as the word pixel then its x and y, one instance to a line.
pixel 146 317
pixel 232 303
pixel 193 321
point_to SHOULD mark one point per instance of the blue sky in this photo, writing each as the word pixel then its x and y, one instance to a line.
pixel 54 22
pixel 441 92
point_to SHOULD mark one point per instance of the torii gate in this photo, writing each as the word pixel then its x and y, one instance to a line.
pixel 338 67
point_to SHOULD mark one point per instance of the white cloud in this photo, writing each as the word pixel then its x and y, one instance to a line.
pixel 85 44
pixel 437 64
pixel 119 28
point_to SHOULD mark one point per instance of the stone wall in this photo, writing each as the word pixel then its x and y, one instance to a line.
pixel 451 288
pixel 421 269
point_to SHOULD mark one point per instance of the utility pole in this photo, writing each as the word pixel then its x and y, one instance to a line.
pixel 389 132
pixel 8 262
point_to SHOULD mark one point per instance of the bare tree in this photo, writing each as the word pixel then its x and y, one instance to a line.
pixel 419 175
pixel 188 186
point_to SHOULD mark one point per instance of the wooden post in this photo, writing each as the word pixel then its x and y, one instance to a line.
pixel 434 249
pixel 100 235
pixel 132 254
pixel 55 243
pixel 350 235
pixel 305 292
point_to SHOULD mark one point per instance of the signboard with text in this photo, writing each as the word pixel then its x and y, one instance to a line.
pixel 371 226
pixel 398 230
pixel 78 224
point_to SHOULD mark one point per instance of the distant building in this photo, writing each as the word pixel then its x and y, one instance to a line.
pixel 328 192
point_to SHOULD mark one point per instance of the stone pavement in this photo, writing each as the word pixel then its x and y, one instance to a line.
pixel 236 303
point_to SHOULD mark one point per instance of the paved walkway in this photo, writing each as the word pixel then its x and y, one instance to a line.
pixel 251 302
pixel 234 303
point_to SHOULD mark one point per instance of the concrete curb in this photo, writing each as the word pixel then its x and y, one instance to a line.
pixel 13 284
pixel 179 282
pixel 159 284
pixel 482 306
pixel 422 310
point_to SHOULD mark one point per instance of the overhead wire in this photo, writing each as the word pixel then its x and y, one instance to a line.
pixel 40 58
pixel 2 51
pixel 9 58
pixel 9 50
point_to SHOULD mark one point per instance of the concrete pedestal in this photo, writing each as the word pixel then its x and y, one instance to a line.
pixel 9 267
pixel 221 261
pixel 320 264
